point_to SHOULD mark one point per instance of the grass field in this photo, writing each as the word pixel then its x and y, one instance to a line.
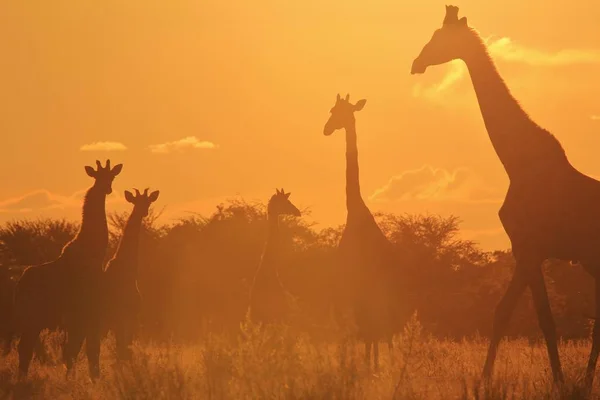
pixel 275 363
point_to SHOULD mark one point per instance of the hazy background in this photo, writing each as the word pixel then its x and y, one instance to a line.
pixel 206 100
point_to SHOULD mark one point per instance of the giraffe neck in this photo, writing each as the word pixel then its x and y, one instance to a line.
pixel 273 222
pixel 128 250
pixel 93 234
pixel 354 200
pixel 519 142
pixel 272 245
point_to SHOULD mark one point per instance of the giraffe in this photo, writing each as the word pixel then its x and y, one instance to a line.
pixel 122 300
pixel 64 291
pixel 8 280
pixel 550 210
pixel 363 250
pixel 268 298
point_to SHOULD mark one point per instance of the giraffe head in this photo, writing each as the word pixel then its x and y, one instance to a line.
pixel 342 114
pixel 104 176
pixel 141 201
pixel 450 42
pixel 280 204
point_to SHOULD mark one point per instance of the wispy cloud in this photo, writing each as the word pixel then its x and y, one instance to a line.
pixel 595 117
pixel 436 184
pixel 190 142
pixel 103 146
pixel 507 50
pixel 455 72
pixel 37 199
pixel 41 200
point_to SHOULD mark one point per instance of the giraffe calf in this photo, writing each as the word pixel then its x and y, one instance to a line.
pixel 122 300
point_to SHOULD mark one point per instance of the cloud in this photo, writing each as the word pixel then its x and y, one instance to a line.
pixel 507 50
pixel 103 146
pixel 42 200
pixel 36 199
pixel 455 72
pixel 595 117
pixel 190 142
pixel 436 184
pixel 504 48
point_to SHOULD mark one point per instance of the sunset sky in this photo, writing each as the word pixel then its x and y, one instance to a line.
pixel 208 100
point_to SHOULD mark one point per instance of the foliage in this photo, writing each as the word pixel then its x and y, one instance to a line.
pixel 196 273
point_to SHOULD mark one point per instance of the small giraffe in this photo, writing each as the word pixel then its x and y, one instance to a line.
pixel 268 298
pixel 121 295
pixel 63 291
pixel 363 250
pixel 551 209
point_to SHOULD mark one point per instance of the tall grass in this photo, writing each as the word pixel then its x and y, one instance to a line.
pixel 277 363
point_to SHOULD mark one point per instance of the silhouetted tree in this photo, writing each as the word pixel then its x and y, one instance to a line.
pixel 195 273
pixel 31 242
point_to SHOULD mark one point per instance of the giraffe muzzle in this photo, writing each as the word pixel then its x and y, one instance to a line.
pixel 418 67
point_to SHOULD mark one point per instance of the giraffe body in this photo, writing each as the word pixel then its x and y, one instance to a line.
pixel 364 253
pixel 122 299
pixel 551 210
pixel 65 292
pixel 269 301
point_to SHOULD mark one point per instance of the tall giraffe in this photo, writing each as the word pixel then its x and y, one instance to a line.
pixel 64 291
pixel 268 298
pixel 551 209
pixel 363 250
pixel 122 300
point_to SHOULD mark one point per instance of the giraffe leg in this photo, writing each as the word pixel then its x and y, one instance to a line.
pixel 122 342
pixel 502 315
pixel 368 344
pixel 129 339
pixel 40 351
pixel 593 360
pixel 73 342
pixel 25 348
pixel 546 320
pixel 7 346
pixel 376 355
pixel 92 347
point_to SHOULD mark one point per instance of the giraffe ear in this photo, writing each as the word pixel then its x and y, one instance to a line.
pixel 360 104
pixel 463 21
pixel 287 195
pixel 90 171
pixel 129 196
pixel 338 97
pixel 117 169
pixel 153 196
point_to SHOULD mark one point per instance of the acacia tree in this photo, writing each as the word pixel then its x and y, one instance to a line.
pixel 195 273
pixel 30 242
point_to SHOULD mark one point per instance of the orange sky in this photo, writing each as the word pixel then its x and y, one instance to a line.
pixel 257 80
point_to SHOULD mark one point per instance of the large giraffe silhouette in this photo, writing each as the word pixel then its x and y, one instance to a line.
pixel 268 298
pixel 64 291
pixel 551 209
pixel 122 300
pixel 364 252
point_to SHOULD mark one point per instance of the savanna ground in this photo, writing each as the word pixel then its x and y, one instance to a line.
pixel 275 363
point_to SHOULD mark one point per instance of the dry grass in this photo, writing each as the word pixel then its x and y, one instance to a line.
pixel 275 363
